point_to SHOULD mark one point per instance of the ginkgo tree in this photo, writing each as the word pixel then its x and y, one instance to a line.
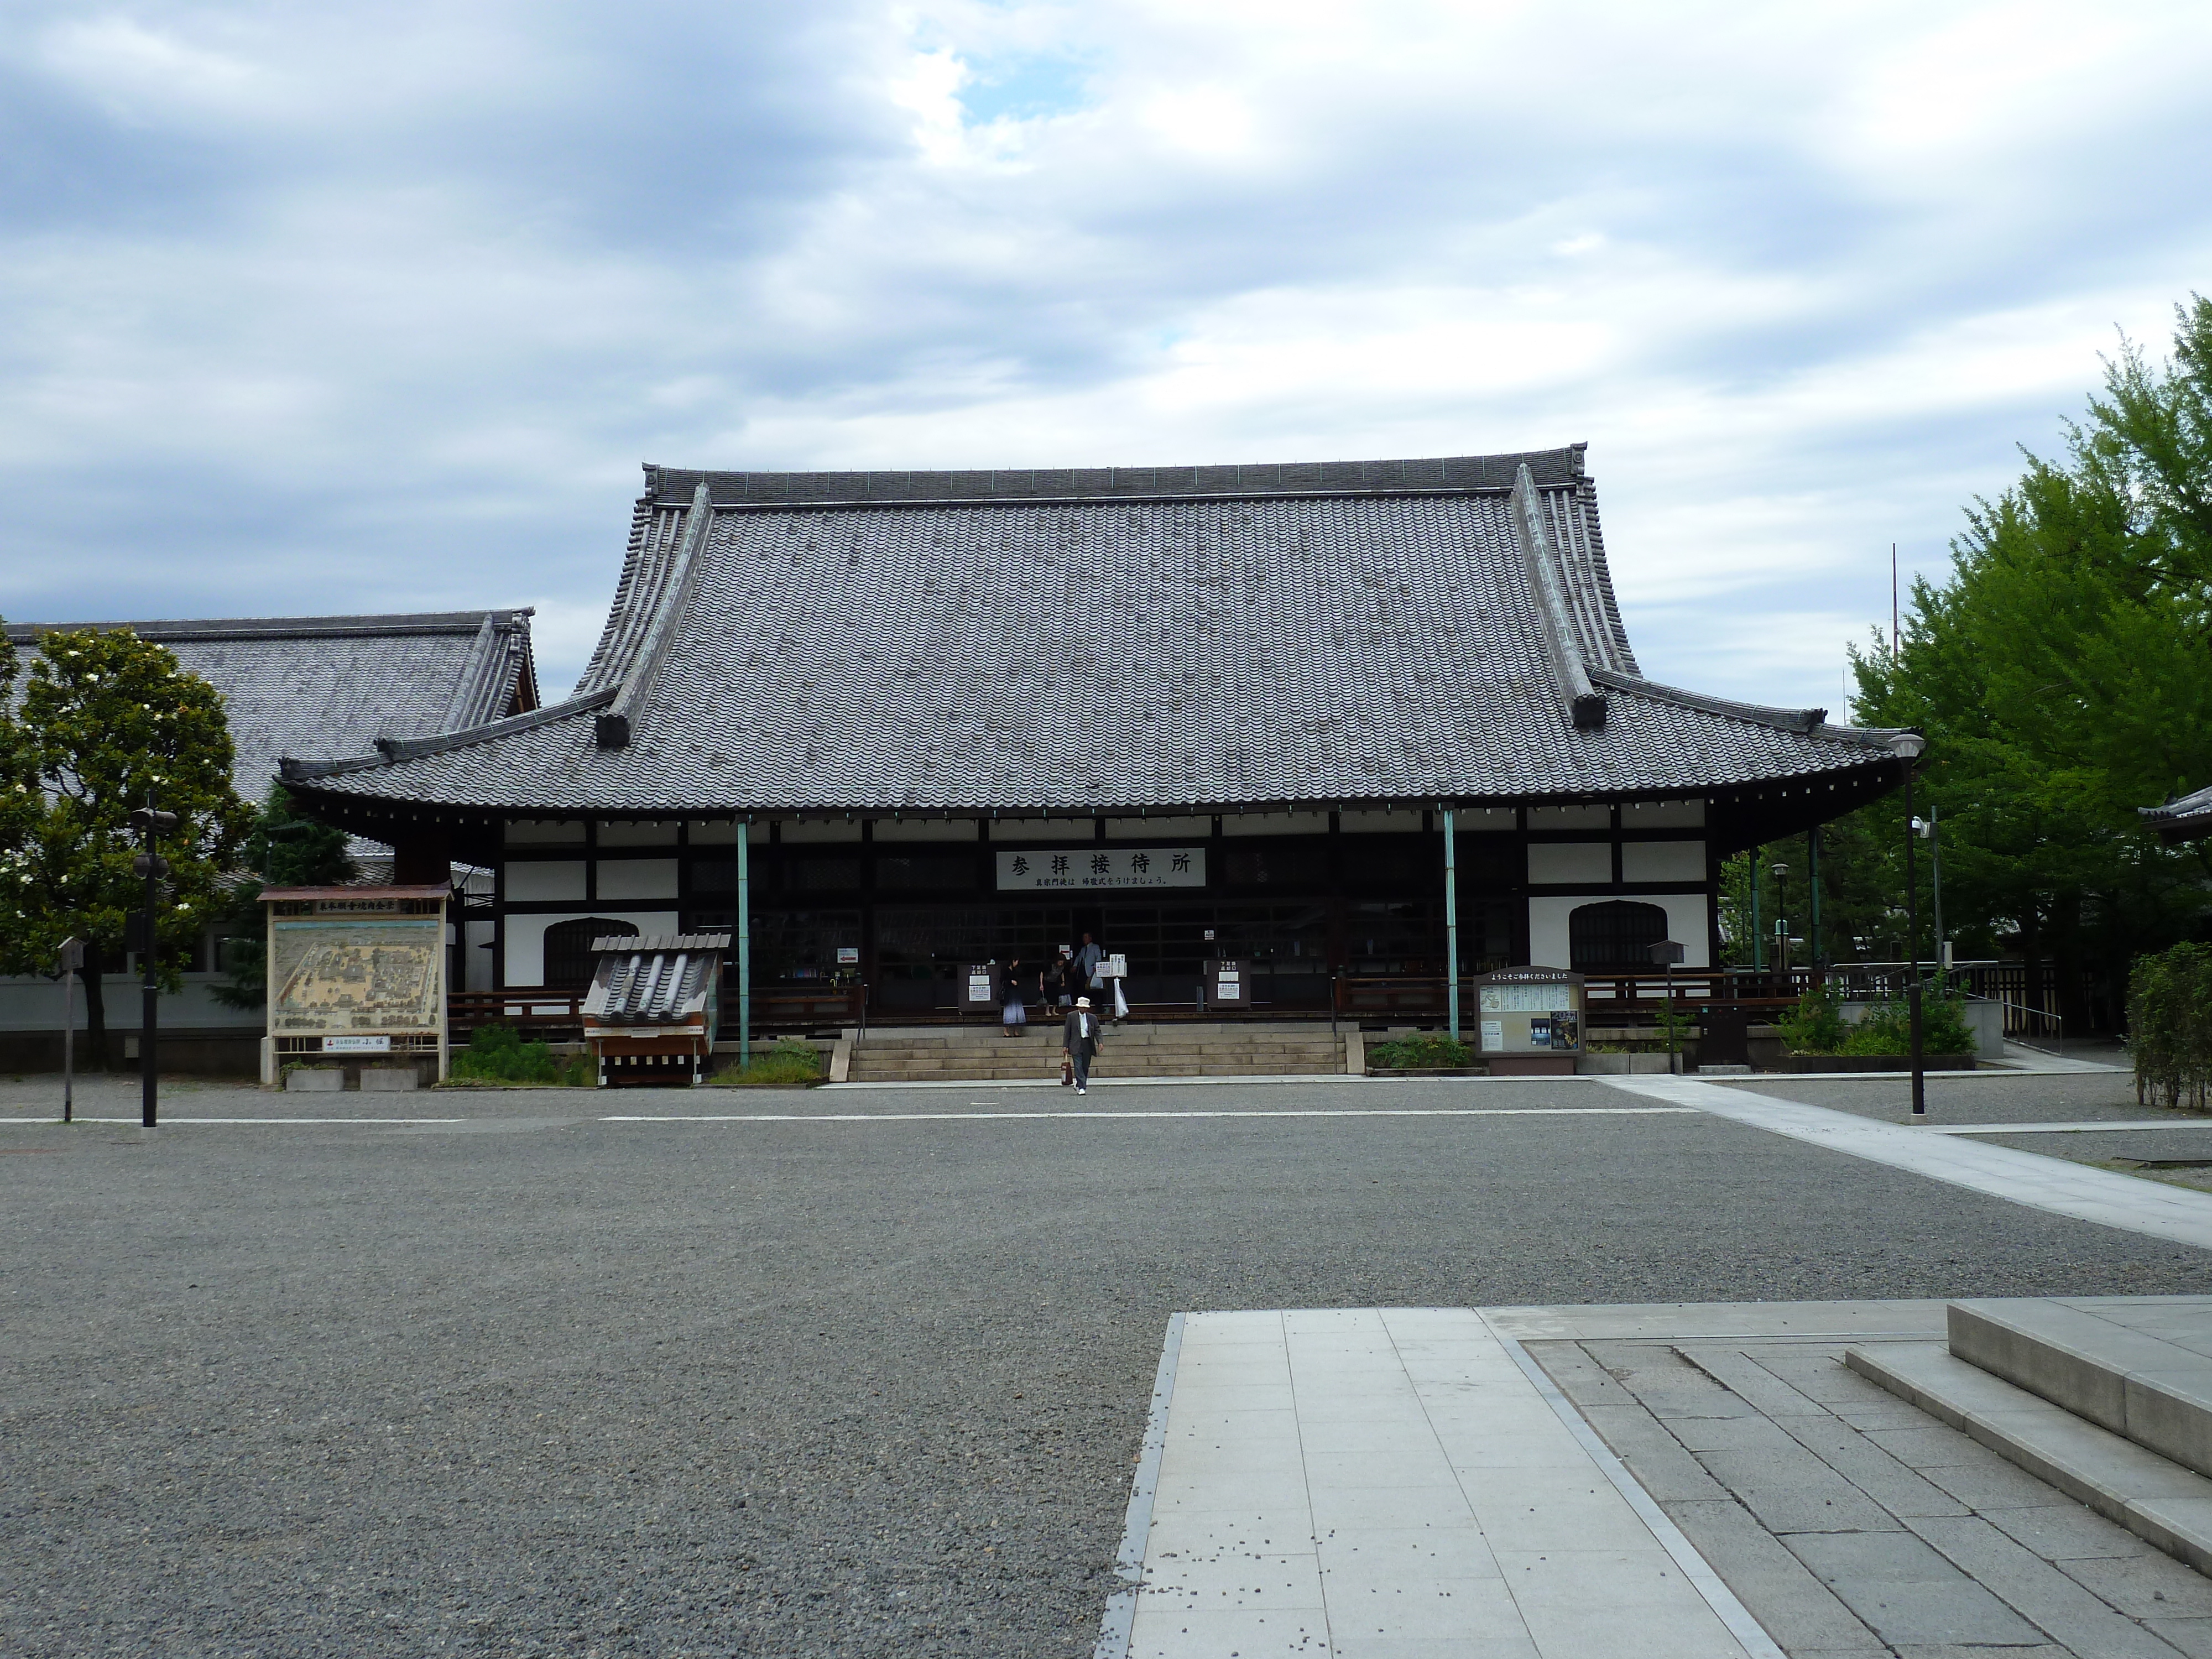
pixel 106 723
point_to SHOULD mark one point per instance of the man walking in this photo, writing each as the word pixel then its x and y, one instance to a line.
pixel 1079 1039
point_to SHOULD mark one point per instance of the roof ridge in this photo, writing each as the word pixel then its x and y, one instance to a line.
pixel 1440 474
pixel 501 618
pixel 1555 622
pixel 1813 722
pixel 389 749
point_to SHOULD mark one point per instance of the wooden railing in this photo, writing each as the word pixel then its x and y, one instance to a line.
pixel 555 1013
pixel 1422 996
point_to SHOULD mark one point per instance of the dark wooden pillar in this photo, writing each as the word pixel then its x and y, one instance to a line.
pixel 421 856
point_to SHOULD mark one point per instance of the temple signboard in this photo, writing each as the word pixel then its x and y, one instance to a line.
pixel 1095 867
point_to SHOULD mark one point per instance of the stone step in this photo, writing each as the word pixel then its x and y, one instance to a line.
pixel 2165 1505
pixel 2155 1390
pixel 895 1074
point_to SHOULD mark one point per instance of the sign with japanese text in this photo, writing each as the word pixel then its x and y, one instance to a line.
pixel 1103 866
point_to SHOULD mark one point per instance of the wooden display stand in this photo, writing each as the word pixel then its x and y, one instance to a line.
pixel 1529 1021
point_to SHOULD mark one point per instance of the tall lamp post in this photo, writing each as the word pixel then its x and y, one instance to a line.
pixel 150 824
pixel 1906 746
pixel 1782 921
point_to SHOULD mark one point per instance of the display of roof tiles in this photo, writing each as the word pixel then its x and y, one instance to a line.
pixel 903 642
pixel 329 685
pixel 654 982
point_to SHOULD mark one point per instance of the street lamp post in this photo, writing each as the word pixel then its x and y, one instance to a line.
pixel 1667 952
pixel 1782 921
pixel 1906 746
pixel 151 865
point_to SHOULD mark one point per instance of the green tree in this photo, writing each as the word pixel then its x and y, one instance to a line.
pixel 106 723
pixel 2063 676
pixel 283 850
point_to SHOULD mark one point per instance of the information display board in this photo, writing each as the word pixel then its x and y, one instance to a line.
pixel 979 986
pixel 355 970
pixel 1530 1011
pixel 1226 983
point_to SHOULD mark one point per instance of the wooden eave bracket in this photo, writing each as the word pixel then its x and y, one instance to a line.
pixel 1585 702
pixel 614 728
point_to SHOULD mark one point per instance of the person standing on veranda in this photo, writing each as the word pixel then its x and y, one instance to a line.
pixel 1079 1039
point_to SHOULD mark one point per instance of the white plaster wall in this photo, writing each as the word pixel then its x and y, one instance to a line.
pixel 635 878
pixel 925 829
pixel 476 963
pixel 1662 861
pixel 1156 829
pixel 1663 815
pixel 1031 830
pixel 34 1003
pixel 1380 824
pixel 549 879
pixel 525 938
pixel 1274 824
pixel 1590 862
pixel 1547 925
pixel 1570 817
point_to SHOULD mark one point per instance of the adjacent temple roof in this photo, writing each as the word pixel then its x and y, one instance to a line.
pixel 344 683
pixel 1121 640
pixel 2188 818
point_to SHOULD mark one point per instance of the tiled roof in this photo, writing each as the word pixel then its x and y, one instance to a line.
pixel 1105 641
pixel 2188 818
pixel 338 685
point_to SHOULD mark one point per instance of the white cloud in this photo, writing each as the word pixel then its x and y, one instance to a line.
pixel 381 306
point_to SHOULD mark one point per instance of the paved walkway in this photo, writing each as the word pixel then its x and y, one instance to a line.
pixel 1704 1480
pixel 1393 1483
pixel 2153 1208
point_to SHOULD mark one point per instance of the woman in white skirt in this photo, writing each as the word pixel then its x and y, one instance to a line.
pixel 1015 1015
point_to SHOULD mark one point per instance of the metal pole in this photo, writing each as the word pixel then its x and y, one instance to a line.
pixel 1673 1060
pixel 1912 951
pixel 1758 938
pixel 69 948
pixel 1451 927
pixel 744 945
pixel 150 1069
pixel 1936 876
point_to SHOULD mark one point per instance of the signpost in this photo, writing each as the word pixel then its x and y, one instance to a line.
pixel 1227 981
pixel 149 823
pixel 72 959
pixel 1668 953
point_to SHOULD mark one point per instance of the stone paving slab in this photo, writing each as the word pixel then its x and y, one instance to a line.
pixel 1874 1533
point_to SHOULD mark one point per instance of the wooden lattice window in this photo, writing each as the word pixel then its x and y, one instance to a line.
pixel 1614 936
pixel 569 947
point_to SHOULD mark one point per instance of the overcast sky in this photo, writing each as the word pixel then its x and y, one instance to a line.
pixel 319 307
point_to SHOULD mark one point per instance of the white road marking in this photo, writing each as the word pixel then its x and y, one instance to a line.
pixel 1348 1111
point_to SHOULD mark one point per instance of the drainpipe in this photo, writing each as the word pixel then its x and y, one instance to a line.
pixel 1451 927
pixel 744 945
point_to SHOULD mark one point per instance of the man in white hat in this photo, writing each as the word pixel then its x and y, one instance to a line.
pixel 1079 1043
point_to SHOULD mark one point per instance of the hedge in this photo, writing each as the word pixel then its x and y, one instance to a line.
pixel 2170 1026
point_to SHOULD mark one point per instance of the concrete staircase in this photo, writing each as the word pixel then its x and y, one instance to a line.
pixel 978 1054
pixel 2109 1399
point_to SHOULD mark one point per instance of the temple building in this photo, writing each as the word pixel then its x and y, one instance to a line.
pixel 1202 712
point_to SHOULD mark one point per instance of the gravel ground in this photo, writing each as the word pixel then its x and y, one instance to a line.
pixel 541 1384
pixel 1977 1097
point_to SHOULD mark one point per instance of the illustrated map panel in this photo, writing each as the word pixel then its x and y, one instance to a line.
pixel 365 975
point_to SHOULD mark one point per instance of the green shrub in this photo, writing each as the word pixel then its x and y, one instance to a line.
pixel 2170 1026
pixel 788 1065
pixel 1887 1028
pixel 1425 1050
pixel 497 1053
pixel 1815 1026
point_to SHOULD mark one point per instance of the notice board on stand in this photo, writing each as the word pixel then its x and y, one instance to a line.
pixel 1529 1019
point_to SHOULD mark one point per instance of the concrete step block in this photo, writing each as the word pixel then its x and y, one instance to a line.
pixel 2166 1505
pixel 2156 1393
pixel 387 1078
pixel 315 1080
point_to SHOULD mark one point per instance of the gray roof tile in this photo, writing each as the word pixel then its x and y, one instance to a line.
pixel 1343 632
